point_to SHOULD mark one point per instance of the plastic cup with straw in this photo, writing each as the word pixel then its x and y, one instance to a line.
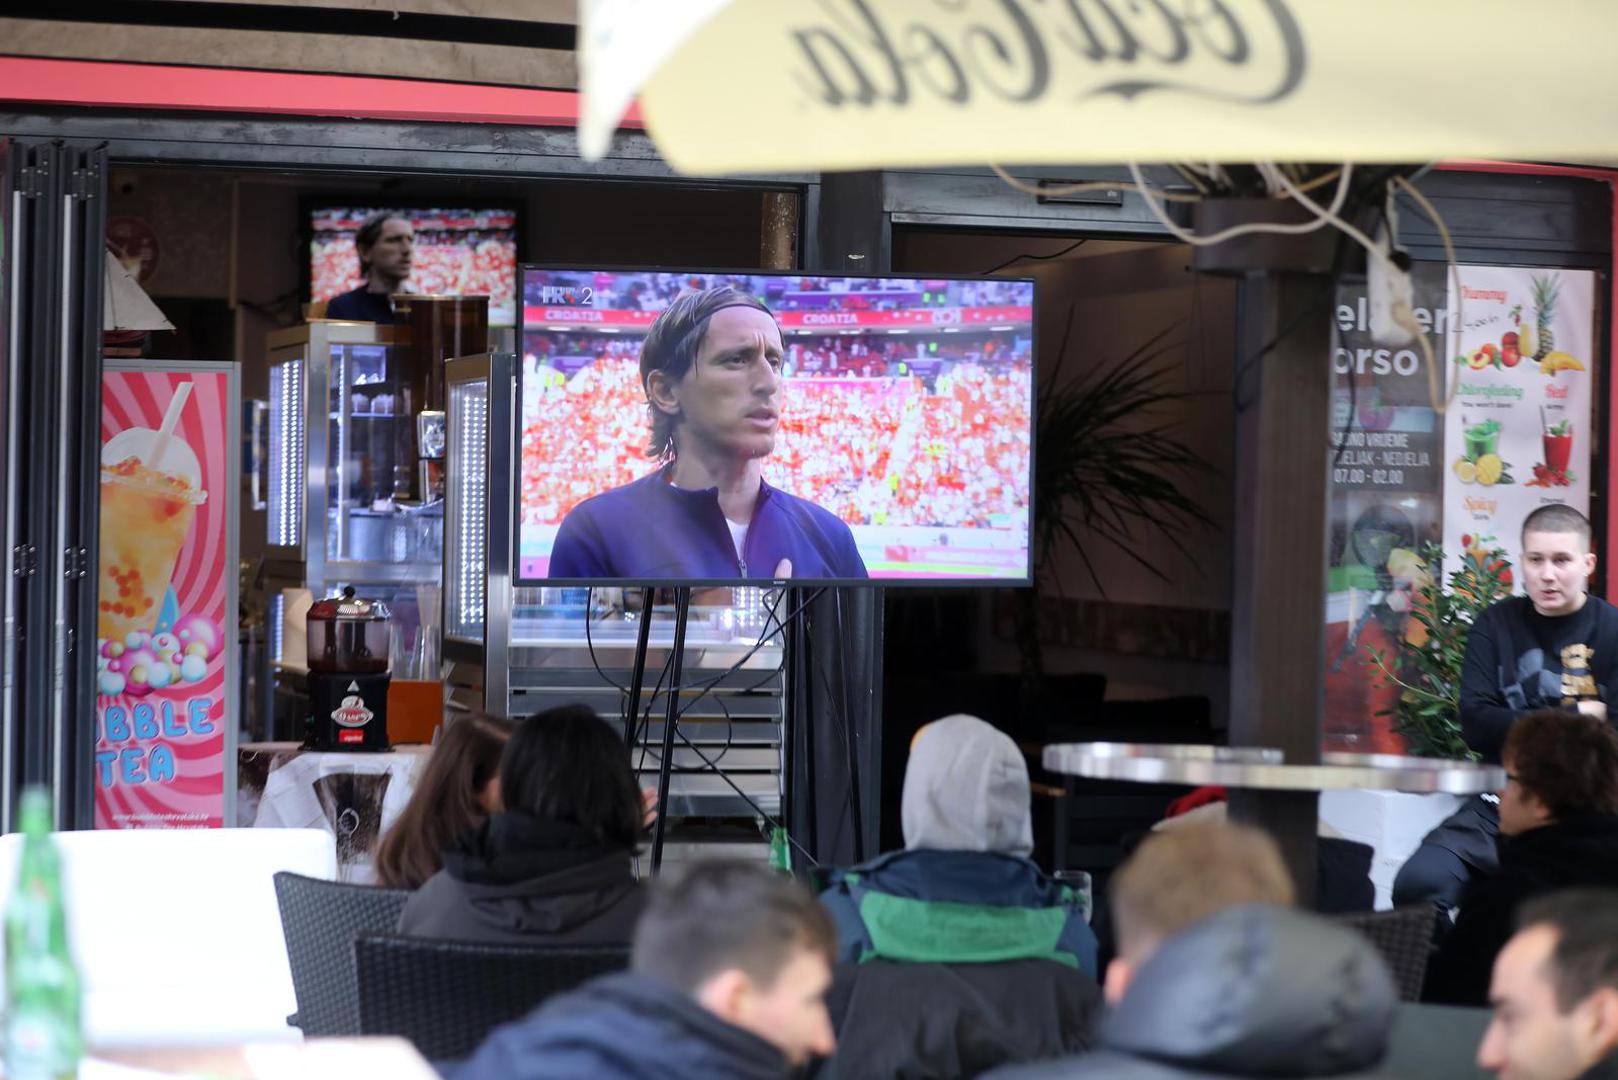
pixel 151 486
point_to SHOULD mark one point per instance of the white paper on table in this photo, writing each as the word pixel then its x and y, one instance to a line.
pixel 338 1059
pixel 621 42
pixel 95 1069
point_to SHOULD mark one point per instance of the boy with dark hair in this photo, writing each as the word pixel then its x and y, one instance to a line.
pixel 1558 828
pixel 1554 648
pixel 727 979
pixel 1555 992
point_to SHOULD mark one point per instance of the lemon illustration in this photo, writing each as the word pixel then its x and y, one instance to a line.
pixel 1489 469
pixel 1465 471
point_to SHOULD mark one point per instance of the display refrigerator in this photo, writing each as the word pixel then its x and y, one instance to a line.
pixel 354 497
pixel 512 649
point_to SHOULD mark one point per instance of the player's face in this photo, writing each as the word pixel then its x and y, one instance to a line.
pixel 1557 567
pixel 392 254
pixel 729 401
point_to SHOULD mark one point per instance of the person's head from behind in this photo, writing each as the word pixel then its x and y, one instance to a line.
pixel 1555 989
pixel 1179 877
pixel 386 244
pixel 459 786
pixel 1558 765
pixel 711 370
pixel 966 789
pixel 1556 559
pixel 568 765
pixel 748 944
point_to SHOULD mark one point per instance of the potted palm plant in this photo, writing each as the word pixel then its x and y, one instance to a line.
pixel 1107 472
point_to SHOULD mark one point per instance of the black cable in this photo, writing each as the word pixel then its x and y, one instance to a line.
pixel 589 643
pixel 643 725
pixel 642 728
pixel 772 822
pixel 1028 255
pixel 748 655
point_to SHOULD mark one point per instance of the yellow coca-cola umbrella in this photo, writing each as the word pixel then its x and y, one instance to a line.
pixel 795 85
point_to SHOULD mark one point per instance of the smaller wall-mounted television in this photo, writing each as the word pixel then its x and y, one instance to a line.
pixel 891 420
pixel 459 251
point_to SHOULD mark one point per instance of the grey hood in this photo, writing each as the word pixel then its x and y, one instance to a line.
pixel 966 789
pixel 1258 991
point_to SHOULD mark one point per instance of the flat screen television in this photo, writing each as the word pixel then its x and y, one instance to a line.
pixel 889 418
pixel 460 250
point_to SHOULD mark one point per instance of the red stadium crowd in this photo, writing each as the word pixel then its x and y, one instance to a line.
pixel 444 264
pixel 950 450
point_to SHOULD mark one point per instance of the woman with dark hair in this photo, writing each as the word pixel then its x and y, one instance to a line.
pixel 553 865
pixel 458 789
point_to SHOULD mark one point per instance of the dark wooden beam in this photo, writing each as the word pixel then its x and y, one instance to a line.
pixel 1277 677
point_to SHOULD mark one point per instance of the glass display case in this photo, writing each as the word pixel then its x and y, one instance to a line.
pixel 344 499
pixel 343 485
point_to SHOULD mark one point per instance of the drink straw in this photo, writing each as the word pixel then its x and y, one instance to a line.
pixel 171 420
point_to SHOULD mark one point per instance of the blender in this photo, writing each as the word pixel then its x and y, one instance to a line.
pixel 349 646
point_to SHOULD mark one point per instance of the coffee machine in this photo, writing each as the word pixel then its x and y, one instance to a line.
pixel 350 641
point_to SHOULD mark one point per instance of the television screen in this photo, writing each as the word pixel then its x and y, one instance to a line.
pixel 458 251
pixel 796 426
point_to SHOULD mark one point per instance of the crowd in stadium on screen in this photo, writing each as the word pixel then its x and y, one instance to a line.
pixel 946 450
pixel 818 356
pixel 443 264
pixel 654 292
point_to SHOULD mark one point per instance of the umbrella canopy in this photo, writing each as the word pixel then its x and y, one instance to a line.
pixel 766 86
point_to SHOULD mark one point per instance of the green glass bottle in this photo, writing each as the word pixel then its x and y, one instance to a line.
pixel 43 1034
pixel 780 851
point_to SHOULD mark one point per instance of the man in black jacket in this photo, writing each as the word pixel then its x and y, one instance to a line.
pixel 1215 977
pixel 1555 648
pixel 1555 992
pixel 727 980
pixel 1252 991
pixel 1558 829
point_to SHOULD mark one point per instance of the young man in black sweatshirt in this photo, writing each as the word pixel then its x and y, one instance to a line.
pixel 1554 648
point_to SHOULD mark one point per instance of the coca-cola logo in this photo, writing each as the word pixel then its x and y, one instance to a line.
pixel 1249 52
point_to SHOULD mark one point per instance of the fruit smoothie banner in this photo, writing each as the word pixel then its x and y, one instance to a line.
pixel 166 668
pixel 1517 433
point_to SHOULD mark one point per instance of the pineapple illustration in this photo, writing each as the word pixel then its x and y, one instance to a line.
pixel 1546 288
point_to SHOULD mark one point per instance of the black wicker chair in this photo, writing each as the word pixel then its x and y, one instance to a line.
pixel 445 996
pixel 1404 937
pixel 320 919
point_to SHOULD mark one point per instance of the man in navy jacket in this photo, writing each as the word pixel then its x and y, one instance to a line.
pixel 726 981
pixel 711 370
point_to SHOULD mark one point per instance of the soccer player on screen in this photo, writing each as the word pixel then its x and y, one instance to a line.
pixel 711 371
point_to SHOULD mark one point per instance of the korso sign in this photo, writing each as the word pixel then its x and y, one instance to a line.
pixel 761 85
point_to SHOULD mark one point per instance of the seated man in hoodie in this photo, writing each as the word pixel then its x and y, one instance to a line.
pixel 957 953
pixel 554 864
pixel 727 979
pixel 1216 977
pixel 1558 830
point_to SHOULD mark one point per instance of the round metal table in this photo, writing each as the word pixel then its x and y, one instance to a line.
pixel 1262 769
